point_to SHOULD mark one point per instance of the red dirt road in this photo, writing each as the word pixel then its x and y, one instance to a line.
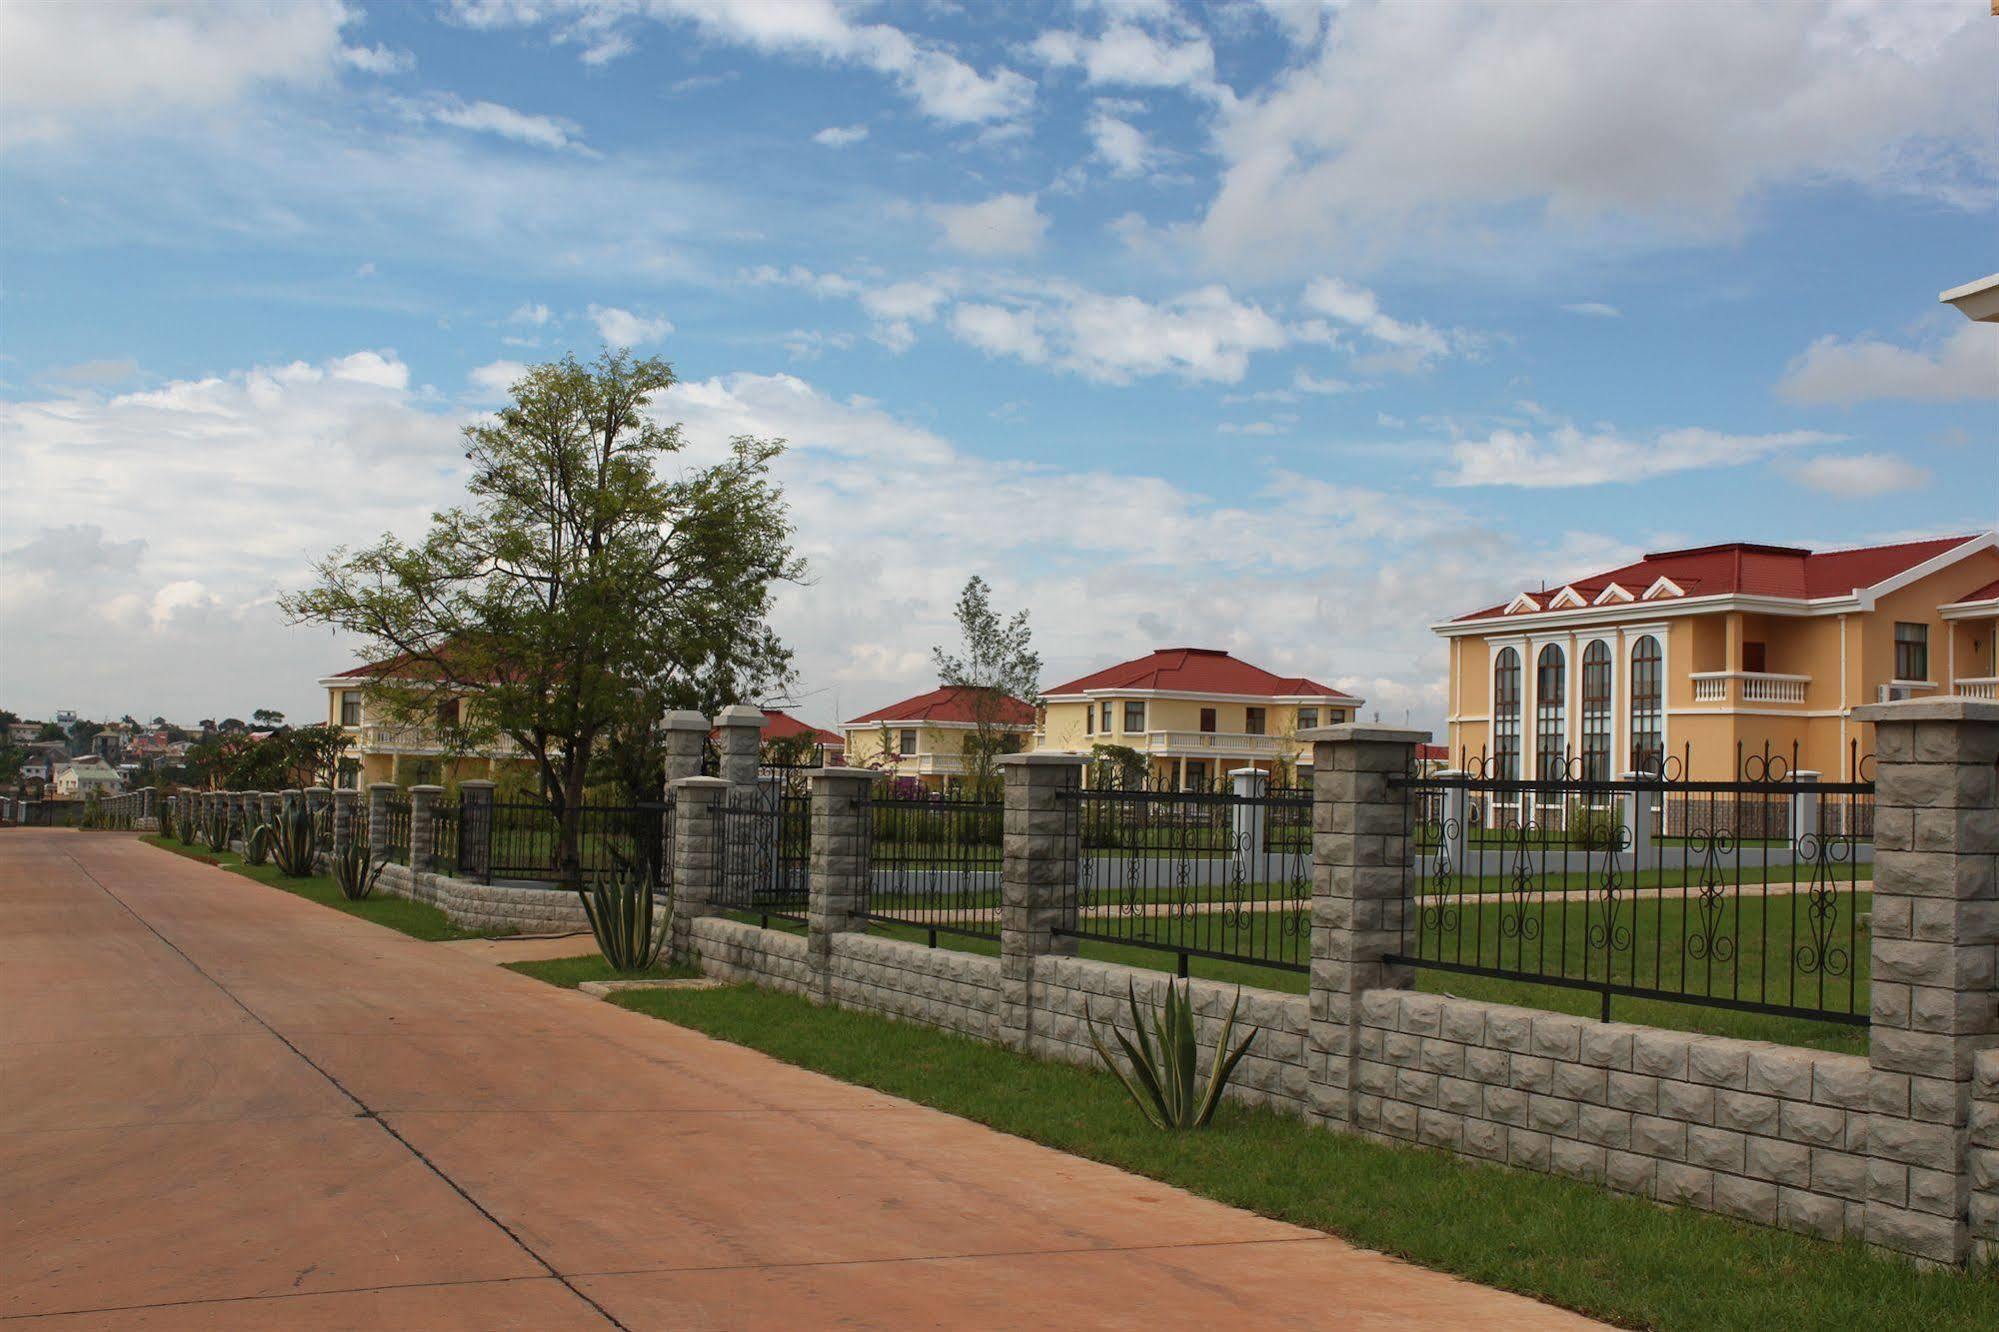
pixel 222 1106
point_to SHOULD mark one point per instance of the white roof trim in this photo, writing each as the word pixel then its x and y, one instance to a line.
pixel 1568 596
pixel 1612 593
pixel 1522 603
pixel 1663 586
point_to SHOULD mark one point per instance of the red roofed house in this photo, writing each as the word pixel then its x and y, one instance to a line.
pixel 1195 713
pixel 1696 652
pixel 923 738
pixel 783 730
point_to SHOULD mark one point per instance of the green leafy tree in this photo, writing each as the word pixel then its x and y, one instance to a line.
pixel 269 717
pixel 998 670
pixel 580 592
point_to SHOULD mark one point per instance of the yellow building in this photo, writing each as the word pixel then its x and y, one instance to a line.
pixel 1194 714
pixel 381 749
pixel 1688 658
pixel 923 738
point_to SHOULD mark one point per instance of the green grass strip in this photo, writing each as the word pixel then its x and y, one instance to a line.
pixel 419 920
pixel 570 972
pixel 1614 1257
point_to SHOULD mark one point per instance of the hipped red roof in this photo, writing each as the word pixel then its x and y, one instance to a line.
pixel 1758 570
pixel 779 725
pixel 1198 671
pixel 947 705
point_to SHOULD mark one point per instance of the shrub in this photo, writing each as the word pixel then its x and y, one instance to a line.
pixel 166 818
pixel 621 912
pixel 257 846
pixel 93 811
pixel 215 829
pixel 190 828
pixel 1165 1082
pixel 355 870
pixel 294 841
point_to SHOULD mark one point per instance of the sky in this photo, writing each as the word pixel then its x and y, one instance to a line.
pixel 1283 328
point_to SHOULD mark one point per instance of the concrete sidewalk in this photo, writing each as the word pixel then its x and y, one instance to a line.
pixel 222 1106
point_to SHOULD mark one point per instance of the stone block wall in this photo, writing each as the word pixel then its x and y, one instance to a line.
pixel 1271 1074
pixel 1984 1153
pixel 935 987
pixel 490 908
pixel 1766 1133
pixel 731 951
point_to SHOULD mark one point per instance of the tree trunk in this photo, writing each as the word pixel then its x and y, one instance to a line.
pixel 568 850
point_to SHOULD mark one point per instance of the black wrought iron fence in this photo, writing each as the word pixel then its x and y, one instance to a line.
pixel 934 864
pixel 764 842
pixel 397 808
pixel 444 827
pixel 1750 894
pixel 1194 874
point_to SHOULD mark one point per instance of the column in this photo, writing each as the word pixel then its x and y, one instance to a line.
pixel 841 866
pixel 379 795
pixel 423 828
pixel 1935 941
pixel 1805 807
pixel 1453 824
pixel 344 802
pixel 1246 818
pixel 697 857
pixel 1363 838
pixel 739 735
pixel 1038 877
pixel 272 804
pixel 683 733
pixel 1635 809
pixel 475 829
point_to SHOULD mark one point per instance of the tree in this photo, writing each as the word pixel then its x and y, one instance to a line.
pixel 580 593
pixel 268 717
pixel 998 671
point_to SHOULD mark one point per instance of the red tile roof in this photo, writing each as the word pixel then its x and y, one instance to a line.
pixel 945 705
pixel 1990 592
pixel 783 726
pixel 1746 567
pixel 1198 671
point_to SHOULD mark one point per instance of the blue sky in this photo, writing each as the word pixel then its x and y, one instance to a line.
pixel 1272 327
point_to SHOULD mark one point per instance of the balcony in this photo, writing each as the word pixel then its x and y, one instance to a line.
pixel 1228 744
pixel 933 765
pixel 1747 687
pixel 420 742
pixel 1984 686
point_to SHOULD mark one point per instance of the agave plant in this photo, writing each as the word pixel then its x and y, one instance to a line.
pixel 166 819
pixel 621 910
pixel 355 870
pixel 257 846
pixel 189 828
pixel 295 841
pixel 1165 1080
pixel 93 811
pixel 215 829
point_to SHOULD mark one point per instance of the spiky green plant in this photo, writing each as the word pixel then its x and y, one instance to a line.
pixel 190 828
pixel 257 846
pixel 1165 1079
pixel 295 841
pixel 215 829
pixel 622 914
pixel 355 870
pixel 93 811
pixel 166 818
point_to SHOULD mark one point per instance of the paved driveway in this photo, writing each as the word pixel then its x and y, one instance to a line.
pixel 222 1106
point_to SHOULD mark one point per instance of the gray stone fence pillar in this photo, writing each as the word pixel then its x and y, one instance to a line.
pixel 319 799
pixel 841 866
pixel 1039 863
pixel 1363 823
pixel 475 829
pixel 1805 807
pixel 1247 818
pixel 683 733
pixel 271 804
pixel 739 730
pixel 379 795
pixel 423 828
pixel 344 801
pixel 697 856
pixel 1935 942
pixel 244 809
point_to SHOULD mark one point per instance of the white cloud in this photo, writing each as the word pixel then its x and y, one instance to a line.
pixel 377 59
pixel 1128 55
pixel 1205 334
pixel 1120 145
pixel 1307 382
pixel 89 58
pixel 944 87
pixel 1404 121
pixel 1404 346
pixel 840 136
pixel 1595 309
pixel 1859 475
pixel 622 328
pixel 1964 364
pixel 1567 456
pixel 1003 224
pixel 999 331
pixel 532 312
pixel 506 122
pixel 494 379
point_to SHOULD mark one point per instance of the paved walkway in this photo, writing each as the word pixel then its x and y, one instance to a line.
pixel 222 1106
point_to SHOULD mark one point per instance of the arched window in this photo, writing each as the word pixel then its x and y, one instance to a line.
pixel 1506 715
pixel 1551 714
pixel 1596 712
pixel 1647 689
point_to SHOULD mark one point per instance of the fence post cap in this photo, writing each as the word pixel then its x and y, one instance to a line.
pixel 698 784
pixel 1929 710
pixel 427 789
pixel 1043 758
pixel 682 719
pixel 742 714
pixel 1247 772
pixel 842 774
pixel 381 786
pixel 479 783
pixel 1368 732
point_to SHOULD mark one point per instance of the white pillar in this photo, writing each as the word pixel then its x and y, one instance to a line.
pixel 1247 816
pixel 1805 806
pixel 1454 824
pixel 1634 810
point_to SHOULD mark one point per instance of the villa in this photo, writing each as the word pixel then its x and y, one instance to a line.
pixel 1687 659
pixel 923 738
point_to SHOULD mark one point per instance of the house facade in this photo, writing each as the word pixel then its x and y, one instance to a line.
pixel 1192 714
pixel 923 739
pixel 81 777
pixel 1687 659
pixel 384 749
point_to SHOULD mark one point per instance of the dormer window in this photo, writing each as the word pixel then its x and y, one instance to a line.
pixel 1663 587
pixel 1567 599
pixel 1523 605
pixel 1610 594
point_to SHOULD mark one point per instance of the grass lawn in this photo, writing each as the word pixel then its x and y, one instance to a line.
pixel 416 919
pixel 570 972
pixel 1617 1258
